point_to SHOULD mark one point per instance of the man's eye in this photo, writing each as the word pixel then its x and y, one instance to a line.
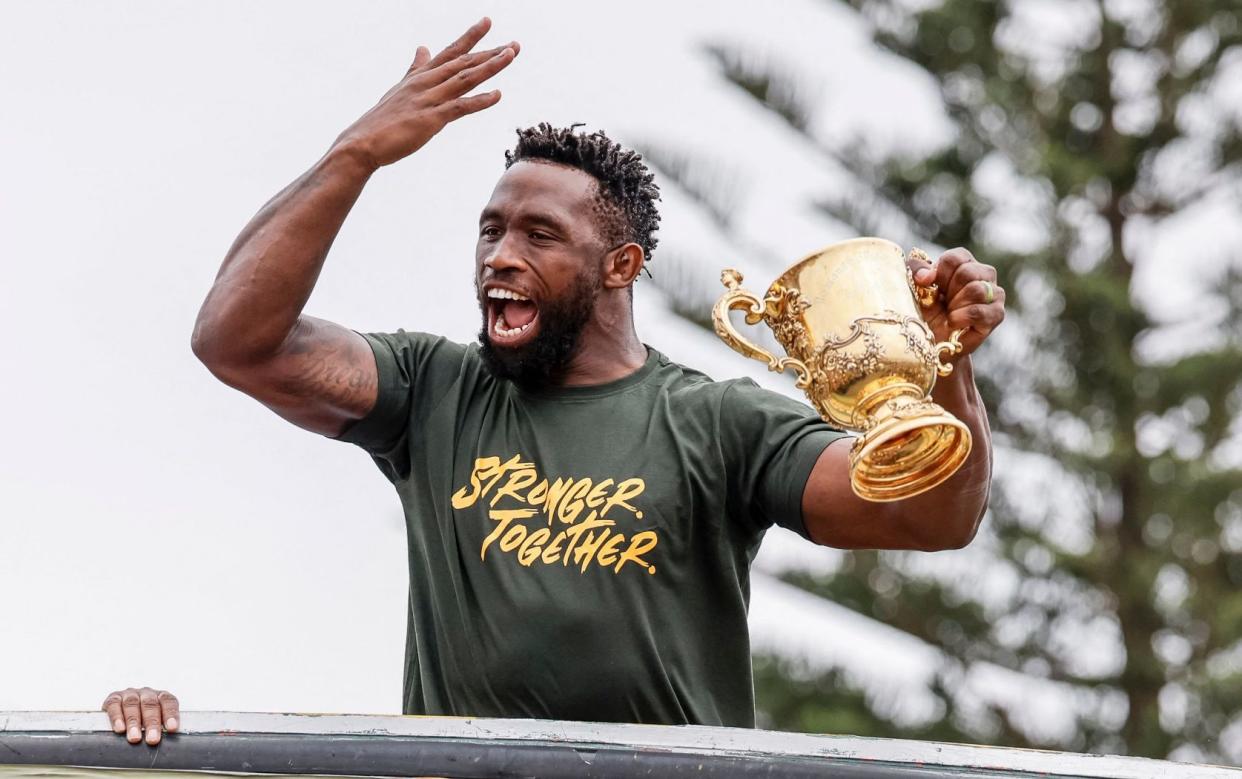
pixel 540 236
pixel 490 232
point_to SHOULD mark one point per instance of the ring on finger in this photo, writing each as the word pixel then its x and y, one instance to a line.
pixel 990 295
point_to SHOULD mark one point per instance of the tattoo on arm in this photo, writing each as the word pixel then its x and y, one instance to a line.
pixel 322 378
pixel 320 375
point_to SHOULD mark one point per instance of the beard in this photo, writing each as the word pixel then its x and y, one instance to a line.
pixel 542 362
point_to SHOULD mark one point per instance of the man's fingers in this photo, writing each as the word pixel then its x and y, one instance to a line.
pixel 470 78
pixel 112 705
pixel 463 44
pixel 133 716
pixel 441 73
pixel 172 710
pixel 464 106
pixel 967 274
pixel 448 70
pixel 980 317
pixel 971 300
pixel 976 291
pixel 923 271
pixel 947 266
pixel 152 717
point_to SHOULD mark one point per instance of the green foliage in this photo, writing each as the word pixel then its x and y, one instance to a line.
pixel 1131 539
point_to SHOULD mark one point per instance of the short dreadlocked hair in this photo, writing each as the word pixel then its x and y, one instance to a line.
pixel 627 191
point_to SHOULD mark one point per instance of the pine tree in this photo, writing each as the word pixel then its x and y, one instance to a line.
pixel 1113 543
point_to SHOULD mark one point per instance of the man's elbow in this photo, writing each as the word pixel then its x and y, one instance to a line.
pixel 215 352
pixel 201 344
pixel 208 348
pixel 953 534
pixel 953 540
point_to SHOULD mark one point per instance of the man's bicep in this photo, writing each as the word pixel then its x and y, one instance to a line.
pixel 771 444
pixel 323 378
pixel 835 516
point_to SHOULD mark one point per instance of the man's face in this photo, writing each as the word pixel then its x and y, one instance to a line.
pixel 537 269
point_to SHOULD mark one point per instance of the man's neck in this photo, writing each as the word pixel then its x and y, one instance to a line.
pixel 608 350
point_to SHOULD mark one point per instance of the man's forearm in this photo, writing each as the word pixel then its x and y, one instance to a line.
pixel 272 267
pixel 957 505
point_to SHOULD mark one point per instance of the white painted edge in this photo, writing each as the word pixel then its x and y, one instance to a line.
pixel 691 739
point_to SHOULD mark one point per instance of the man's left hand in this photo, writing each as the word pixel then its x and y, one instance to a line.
pixel 133 711
pixel 968 297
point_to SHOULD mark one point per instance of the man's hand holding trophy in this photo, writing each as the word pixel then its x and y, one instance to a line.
pixel 965 296
pixel 868 329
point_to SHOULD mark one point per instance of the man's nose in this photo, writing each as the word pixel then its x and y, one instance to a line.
pixel 505 255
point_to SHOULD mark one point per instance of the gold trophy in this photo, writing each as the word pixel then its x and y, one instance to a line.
pixel 848 319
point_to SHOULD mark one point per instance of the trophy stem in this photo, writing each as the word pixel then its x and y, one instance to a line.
pixel 909 444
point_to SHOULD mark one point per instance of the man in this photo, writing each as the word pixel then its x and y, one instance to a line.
pixel 581 511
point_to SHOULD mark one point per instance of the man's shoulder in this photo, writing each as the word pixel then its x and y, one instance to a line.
pixel 428 363
pixel 689 383
pixel 418 339
pixel 416 346
pixel 732 396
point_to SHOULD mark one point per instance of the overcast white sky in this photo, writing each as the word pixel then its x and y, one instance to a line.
pixel 159 528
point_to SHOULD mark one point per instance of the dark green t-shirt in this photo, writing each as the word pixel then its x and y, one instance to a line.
pixel 582 553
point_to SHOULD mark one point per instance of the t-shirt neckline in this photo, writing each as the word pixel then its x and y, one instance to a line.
pixel 581 392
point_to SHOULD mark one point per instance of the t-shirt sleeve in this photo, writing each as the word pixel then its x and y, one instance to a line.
pixel 771 443
pixel 414 369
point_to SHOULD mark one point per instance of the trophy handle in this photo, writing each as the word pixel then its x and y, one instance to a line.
pixel 952 346
pixel 756 308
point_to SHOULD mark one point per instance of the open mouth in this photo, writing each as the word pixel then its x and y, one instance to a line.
pixel 511 317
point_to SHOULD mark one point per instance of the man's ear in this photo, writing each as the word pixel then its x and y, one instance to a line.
pixel 622 265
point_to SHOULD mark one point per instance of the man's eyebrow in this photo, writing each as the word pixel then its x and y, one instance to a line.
pixel 545 218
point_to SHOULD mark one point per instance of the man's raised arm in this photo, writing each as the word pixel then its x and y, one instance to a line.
pixel 251 332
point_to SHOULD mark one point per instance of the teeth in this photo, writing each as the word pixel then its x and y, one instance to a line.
pixel 509 332
pixel 513 331
pixel 505 294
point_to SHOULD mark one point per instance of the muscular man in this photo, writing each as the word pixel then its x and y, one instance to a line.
pixel 581 511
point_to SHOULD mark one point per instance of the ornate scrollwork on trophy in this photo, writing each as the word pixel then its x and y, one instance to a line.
pixel 840 365
pixel 919 338
pixel 783 315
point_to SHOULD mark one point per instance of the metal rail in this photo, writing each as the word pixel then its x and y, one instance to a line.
pixel 389 746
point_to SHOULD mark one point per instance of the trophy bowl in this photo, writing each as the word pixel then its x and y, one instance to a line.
pixel 848 319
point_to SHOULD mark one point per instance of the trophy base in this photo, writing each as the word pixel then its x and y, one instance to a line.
pixel 913 446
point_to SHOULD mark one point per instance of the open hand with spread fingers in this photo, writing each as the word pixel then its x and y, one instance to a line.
pixel 138 710
pixel 967 296
pixel 432 93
